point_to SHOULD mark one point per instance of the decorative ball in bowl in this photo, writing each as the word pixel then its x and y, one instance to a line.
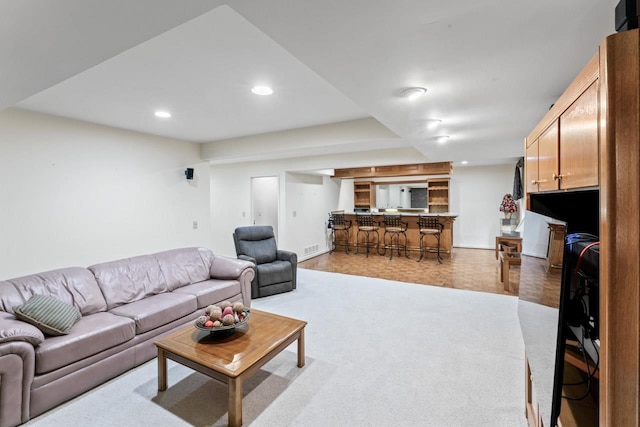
pixel 225 316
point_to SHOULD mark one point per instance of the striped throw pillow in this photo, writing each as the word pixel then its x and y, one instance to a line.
pixel 49 314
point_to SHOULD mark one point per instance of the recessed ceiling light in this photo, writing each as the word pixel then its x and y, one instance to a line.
pixel 413 92
pixel 262 90
pixel 162 114
pixel 464 162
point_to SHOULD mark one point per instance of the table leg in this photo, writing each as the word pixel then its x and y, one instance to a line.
pixel 301 349
pixel 235 402
pixel 497 246
pixel 162 370
pixel 505 274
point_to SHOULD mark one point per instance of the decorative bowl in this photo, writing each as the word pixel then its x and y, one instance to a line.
pixel 225 328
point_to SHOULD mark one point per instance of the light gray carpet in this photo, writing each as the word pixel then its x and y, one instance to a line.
pixel 379 353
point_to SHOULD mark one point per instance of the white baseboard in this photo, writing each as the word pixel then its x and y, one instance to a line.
pixel 313 255
pixel 474 246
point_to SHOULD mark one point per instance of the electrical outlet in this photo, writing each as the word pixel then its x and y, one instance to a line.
pixel 195 225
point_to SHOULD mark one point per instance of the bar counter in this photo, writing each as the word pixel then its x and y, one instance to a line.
pixel 413 235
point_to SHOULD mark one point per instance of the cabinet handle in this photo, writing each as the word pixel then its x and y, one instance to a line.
pixel 557 177
pixel 554 176
pixel 534 182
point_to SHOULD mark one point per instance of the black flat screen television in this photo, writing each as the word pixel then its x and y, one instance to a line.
pixel 546 298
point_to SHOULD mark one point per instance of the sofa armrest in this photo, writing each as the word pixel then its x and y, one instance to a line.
pixel 238 269
pixel 248 258
pixel 292 257
pixel 17 367
pixel 223 267
pixel 12 329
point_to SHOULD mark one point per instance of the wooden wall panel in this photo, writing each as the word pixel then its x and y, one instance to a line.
pixel 437 168
pixel 619 229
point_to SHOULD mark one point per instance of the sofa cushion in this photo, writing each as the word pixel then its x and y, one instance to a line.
pixel 76 286
pixel 91 335
pixel 157 310
pixel 275 272
pixel 184 266
pixel 211 291
pixel 263 251
pixel 128 280
pixel 49 314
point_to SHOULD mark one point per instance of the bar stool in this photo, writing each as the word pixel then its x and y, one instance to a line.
pixel 367 225
pixel 429 226
pixel 338 223
pixel 394 227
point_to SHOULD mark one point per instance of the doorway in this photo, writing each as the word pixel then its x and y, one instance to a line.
pixel 264 201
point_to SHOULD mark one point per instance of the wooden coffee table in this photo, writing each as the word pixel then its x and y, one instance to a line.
pixel 233 358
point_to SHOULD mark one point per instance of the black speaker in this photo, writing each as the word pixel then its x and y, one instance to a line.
pixel 189 173
pixel 626 15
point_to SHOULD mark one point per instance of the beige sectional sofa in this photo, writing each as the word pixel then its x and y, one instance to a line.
pixel 125 306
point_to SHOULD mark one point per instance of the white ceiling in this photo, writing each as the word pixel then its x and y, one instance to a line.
pixel 491 68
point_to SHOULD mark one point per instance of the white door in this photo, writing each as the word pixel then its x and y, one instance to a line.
pixel 264 202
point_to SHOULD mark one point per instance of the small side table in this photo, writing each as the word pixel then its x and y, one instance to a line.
pixel 555 250
pixel 507 259
pixel 510 240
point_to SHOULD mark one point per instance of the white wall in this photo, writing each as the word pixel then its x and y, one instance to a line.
pixel 74 194
pixel 309 199
pixel 265 192
pixel 475 194
pixel 304 203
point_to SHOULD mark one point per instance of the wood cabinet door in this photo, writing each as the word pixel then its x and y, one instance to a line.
pixel 531 168
pixel 579 141
pixel 548 158
pixel 364 195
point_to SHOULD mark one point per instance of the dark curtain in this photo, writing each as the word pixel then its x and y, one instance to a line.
pixel 517 180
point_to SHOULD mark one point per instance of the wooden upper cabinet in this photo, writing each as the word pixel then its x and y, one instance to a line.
pixel 364 194
pixel 567 138
pixel 579 141
pixel 531 168
pixel 548 158
pixel 565 155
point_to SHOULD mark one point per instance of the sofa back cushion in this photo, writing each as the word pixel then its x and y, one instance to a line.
pixel 184 266
pixel 74 285
pixel 257 242
pixel 130 279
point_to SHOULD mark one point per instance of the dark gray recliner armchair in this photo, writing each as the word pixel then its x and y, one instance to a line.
pixel 275 269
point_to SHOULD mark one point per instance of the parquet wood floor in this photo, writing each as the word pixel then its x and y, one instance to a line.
pixel 471 269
